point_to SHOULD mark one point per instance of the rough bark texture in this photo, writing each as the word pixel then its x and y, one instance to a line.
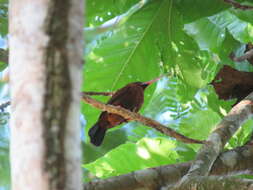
pixel 215 183
pixel 236 161
pixel 45 77
pixel 218 138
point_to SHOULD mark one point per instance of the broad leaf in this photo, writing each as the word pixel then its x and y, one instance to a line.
pixel 196 9
pixel 130 157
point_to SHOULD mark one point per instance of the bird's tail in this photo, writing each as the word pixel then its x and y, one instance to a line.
pixel 96 134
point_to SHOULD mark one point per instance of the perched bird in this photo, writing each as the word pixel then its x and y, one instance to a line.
pixel 130 97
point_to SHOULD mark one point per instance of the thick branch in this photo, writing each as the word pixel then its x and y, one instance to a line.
pixel 137 117
pixel 238 5
pixel 247 55
pixel 238 160
pixel 219 137
pixel 214 183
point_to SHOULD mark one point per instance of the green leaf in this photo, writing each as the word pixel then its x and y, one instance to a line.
pixel 100 11
pixel 208 35
pixel 196 9
pixel 210 32
pixel 199 124
pixel 92 152
pixel 242 135
pixel 246 15
pixel 121 57
pixel 130 157
pixel 240 30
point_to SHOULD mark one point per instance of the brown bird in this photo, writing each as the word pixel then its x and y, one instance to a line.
pixel 130 97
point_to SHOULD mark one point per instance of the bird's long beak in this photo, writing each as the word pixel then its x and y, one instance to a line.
pixel 152 81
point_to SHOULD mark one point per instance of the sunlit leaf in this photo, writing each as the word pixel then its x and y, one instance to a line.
pixel 130 157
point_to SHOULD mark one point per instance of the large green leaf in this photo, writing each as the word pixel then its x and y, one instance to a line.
pixel 196 9
pixel 210 32
pixel 130 157
pixel 246 15
pixel 240 30
pixel 122 57
pixel 94 34
pixel 98 11
pixel 199 124
pixel 208 35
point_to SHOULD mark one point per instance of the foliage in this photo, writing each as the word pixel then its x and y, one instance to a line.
pixel 184 43
pixel 3 17
pixel 135 156
pixel 189 44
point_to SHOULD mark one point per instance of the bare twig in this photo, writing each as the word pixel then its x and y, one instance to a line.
pixel 238 5
pixel 4 105
pixel 218 138
pixel 137 117
pixel 98 93
pixel 244 57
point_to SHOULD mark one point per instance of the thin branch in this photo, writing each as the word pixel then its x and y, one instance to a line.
pixel 238 5
pixel 244 57
pixel 219 137
pixel 137 117
pixel 234 161
pixel 4 105
pixel 98 93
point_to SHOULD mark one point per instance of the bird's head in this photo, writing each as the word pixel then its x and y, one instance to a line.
pixel 146 84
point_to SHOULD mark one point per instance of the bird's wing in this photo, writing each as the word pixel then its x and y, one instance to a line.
pixel 120 95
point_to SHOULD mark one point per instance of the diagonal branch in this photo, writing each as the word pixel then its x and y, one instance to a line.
pixel 235 161
pixel 218 138
pixel 238 5
pixel 137 117
pixel 98 93
pixel 215 182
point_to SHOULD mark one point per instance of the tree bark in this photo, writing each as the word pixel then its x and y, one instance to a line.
pixel 236 161
pixel 219 137
pixel 214 183
pixel 45 77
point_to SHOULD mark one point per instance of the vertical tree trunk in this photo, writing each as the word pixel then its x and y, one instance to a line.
pixel 45 77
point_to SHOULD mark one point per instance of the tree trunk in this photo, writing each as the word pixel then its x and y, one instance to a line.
pixel 45 77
